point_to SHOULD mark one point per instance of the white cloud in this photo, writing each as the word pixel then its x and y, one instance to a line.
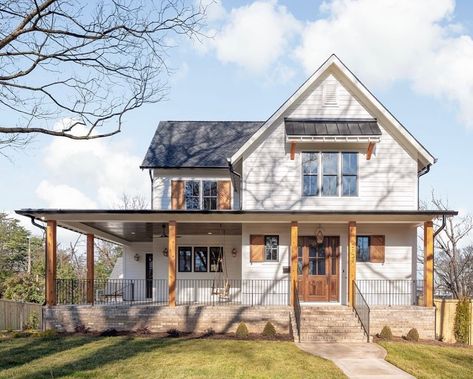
pixel 391 40
pixel 254 36
pixel 63 196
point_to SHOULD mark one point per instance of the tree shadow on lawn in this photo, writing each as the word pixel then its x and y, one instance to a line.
pixel 120 348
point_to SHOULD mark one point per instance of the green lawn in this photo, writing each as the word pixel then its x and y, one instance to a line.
pixel 146 357
pixel 431 361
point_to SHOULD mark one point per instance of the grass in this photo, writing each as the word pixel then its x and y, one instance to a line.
pixel 430 360
pixel 143 357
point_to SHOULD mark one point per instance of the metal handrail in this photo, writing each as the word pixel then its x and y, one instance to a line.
pixel 362 309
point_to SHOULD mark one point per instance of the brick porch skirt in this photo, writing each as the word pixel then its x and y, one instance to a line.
pixel 158 318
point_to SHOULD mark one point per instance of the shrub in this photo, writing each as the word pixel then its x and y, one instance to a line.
pixel 208 332
pixel 48 334
pixel 386 333
pixel 413 335
pixel 242 331
pixel 143 331
pixel 109 333
pixel 173 333
pixel 269 330
pixel 33 322
pixel 81 328
pixel 462 321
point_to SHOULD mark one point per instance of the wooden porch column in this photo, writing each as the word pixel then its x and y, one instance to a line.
pixel 428 264
pixel 294 239
pixel 172 263
pixel 51 262
pixel 351 260
pixel 90 268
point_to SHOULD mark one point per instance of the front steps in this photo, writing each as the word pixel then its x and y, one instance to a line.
pixel 330 323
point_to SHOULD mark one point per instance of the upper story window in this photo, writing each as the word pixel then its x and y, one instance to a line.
pixel 326 172
pixel 349 174
pixel 209 194
pixel 192 194
pixel 310 169
pixel 330 174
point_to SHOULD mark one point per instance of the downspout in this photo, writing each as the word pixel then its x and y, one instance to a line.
pixel 233 172
pixel 43 228
pixel 152 184
pixel 442 227
pixel 422 172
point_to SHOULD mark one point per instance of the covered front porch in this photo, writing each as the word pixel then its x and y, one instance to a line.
pixel 172 258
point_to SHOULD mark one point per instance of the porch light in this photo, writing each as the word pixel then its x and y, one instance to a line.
pixel 234 253
pixel 319 235
pixel 137 257
pixel 165 252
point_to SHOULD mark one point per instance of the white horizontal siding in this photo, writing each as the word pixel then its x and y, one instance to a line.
pixel 271 180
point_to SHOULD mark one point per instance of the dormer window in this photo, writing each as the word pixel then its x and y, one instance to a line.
pixel 329 94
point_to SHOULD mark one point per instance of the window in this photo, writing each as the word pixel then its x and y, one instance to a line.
pixel 349 174
pixel 185 259
pixel 330 174
pixel 216 257
pixel 363 244
pixel 200 259
pixel 271 244
pixel 192 194
pixel 310 163
pixel 209 195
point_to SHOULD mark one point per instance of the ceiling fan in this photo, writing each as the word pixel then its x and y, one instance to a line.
pixel 163 233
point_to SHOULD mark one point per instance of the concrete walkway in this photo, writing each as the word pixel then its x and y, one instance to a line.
pixel 356 360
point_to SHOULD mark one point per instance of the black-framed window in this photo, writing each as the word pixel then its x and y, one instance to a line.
pixel 271 247
pixel 200 259
pixel 216 257
pixel 209 194
pixel 192 194
pixel 185 259
pixel 310 170
pixel 363 244
pixel 330 174
pixel 349 174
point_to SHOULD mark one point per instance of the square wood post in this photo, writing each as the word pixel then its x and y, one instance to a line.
pixel 294 239
pixel 172 263
pixel 351 260
pixel 428 264
pixel 90 268
pixel 51 262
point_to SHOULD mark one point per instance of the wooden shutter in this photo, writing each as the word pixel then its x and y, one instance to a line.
pixel 377 249
pixel 256 248
pixel 224 188
pixel 177 194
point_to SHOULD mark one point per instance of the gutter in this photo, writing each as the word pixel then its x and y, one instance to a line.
pixel 152 186
pixel 420 173
pixel 436 233
pixel 233 173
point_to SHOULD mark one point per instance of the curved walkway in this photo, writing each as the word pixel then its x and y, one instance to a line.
pixel 356 360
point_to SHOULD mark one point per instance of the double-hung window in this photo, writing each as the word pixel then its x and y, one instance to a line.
pixel 209 195
pixel 185 259
pixel 192 194
pixel 216 259
pixel 330 174
pixel 200 259
pixel 349 174
pixel 363 248
pixel 310 169
pixel 271 244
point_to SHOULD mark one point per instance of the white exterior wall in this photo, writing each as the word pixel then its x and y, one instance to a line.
pixel 271 180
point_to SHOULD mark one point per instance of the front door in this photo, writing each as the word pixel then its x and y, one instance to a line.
pixel 149 276
pixel 318 269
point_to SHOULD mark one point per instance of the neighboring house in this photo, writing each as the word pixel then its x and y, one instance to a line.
pixel 319 204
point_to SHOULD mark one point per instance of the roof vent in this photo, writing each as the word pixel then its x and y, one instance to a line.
pixel 329 94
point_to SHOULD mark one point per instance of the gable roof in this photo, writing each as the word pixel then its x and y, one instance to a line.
pixel 331 127
pixel 424 156
pixel 197 143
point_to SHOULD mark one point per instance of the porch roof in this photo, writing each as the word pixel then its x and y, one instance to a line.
pixel 129 226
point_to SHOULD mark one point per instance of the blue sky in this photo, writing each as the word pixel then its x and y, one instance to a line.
pixel 416 57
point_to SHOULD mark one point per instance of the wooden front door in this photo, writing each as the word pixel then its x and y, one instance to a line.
pixel 318 269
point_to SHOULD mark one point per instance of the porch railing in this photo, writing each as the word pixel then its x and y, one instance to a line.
pixel 391 292
pixel 362 309
pixel 249 292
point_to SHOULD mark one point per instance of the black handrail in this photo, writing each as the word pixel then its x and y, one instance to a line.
pixel 362 309
pixel 297 310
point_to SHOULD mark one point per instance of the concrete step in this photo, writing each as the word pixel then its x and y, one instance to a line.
pixel 332 338
pixel 330 329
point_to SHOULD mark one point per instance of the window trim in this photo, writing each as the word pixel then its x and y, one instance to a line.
pixel 194 258
pixel 277 247
pixel 203 196
pixel 357 175
pixel 179 256
pixel 317 193
pixel 369 249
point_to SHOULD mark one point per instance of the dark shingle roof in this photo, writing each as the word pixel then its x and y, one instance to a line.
pixel 338 127
pixel 197 143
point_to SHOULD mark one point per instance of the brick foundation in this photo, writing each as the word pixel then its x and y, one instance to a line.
pixel 162 318
pixel 402 318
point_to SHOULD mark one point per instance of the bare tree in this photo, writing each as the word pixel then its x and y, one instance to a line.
pixel 132 202
pixel 74 69
pixel 454 254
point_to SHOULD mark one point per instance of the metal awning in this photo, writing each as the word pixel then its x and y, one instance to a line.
pixel 350 130
pixel 129 226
